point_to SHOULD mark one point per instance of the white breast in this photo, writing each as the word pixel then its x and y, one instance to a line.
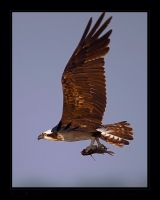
pixel 71 136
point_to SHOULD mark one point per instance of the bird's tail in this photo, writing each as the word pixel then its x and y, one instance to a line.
pixel 117 133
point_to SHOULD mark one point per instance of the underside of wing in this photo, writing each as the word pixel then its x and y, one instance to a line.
pixel 83 79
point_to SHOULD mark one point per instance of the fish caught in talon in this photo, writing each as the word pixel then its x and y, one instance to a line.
pixel 84 152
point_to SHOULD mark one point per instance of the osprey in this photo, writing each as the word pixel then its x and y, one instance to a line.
pixel 84 96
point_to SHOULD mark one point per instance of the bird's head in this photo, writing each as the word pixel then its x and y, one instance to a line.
pixel 48 135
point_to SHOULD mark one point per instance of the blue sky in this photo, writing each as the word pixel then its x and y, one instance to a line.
pixel 42 43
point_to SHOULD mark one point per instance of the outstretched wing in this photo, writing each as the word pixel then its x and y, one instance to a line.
pixel 83 79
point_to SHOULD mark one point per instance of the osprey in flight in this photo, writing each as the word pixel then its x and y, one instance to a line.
pixel 84 96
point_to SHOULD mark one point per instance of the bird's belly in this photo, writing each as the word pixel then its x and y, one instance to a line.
pixel 71 136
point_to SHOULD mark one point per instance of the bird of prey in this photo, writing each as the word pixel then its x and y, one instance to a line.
pixel 84 96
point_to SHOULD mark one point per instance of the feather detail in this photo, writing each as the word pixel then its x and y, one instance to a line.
pixel 83 79
pixel 117 133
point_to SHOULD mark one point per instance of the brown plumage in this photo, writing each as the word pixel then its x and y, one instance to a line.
pixel 121 132
pixel 84 95
pixel 83 79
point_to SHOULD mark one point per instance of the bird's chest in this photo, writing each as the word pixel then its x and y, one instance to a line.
pixel 71 136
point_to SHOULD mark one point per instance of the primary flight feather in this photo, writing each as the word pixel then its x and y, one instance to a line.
pixel 84 96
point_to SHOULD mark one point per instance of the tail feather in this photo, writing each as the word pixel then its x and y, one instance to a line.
pixel 116 134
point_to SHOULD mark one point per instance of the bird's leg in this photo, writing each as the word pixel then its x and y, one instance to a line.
pixel 100 146
pixel 91 146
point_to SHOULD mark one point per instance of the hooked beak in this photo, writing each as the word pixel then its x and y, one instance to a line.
pixel 40 137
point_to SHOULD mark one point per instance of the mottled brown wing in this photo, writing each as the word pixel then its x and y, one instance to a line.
pixel 83 79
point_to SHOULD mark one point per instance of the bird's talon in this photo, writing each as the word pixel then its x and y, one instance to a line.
pixel 91 148
pixel 103 147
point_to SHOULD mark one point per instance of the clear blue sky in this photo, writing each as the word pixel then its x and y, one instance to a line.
pixel 42 45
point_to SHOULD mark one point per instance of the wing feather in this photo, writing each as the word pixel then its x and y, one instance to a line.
pixel 83 79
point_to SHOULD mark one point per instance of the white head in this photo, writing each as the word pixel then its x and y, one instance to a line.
pixel 48 135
